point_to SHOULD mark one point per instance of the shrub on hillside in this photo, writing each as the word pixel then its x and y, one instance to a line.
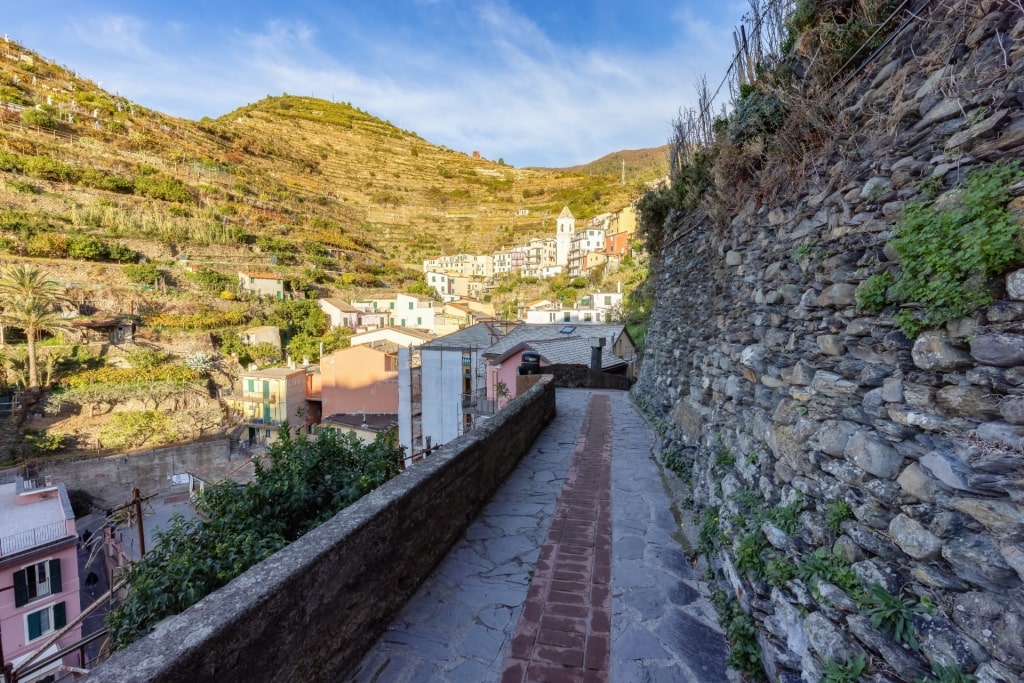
pixel 141 273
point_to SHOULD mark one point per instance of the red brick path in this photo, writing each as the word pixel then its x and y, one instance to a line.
pixel 563 633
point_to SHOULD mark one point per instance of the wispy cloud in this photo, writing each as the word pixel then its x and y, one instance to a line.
pixel 478 77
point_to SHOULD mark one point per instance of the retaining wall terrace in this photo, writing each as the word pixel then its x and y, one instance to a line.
pixel 773 386
pixel 110 479
pixel 310 611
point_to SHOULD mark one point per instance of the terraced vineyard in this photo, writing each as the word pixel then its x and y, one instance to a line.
pixel 287 182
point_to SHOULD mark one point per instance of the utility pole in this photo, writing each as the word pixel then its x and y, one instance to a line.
pixel 137 502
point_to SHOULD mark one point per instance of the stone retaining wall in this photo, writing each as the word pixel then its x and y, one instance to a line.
pixel 773 388
pixel 309 612
pixel 110 479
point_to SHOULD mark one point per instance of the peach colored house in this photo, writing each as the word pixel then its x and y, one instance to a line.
pixel 39 562
pixel 359 379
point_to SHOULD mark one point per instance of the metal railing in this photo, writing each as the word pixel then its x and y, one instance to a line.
pixel 477 403
pixel 25 540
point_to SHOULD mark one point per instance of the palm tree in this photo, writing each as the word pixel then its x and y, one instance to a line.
pixel 29 303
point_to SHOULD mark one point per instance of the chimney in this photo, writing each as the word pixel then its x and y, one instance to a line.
pixel 596 344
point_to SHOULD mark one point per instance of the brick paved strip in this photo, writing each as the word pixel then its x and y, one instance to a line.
pixel 563 632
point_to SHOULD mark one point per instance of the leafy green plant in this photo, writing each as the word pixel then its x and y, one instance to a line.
pixel 836 513
pixel 747 552
pixel 41 442
pixel 741 632
pixel 787 517
pixel 134 428
pixel 305 483
pixel 873 293
pixel 821 565
pixel 141 273
pixel 850 672
pixel 778 570
pixel 949 254
pixel 710 533
pixel 142 358
pixel 894 613
pixel 947 674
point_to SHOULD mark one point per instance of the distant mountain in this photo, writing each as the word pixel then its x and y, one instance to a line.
pixel 270 183
pixel 636 165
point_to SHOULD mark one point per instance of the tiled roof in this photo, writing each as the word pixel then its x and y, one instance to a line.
pixel 557 347
pixel 262 276
pixel 341 305
pixel 480 335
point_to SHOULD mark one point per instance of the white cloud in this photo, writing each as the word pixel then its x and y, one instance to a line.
pixel 492 80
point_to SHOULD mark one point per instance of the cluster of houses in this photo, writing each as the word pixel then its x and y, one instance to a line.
pixel 602 242
pixel 423 370
pixel 428 388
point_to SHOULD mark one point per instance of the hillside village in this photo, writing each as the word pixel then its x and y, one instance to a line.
pixel 208 293
pixel 439 457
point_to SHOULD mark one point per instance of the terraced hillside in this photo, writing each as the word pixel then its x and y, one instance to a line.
pixel 289 182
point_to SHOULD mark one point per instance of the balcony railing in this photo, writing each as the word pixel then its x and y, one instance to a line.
pixel 26 540
pixel 477 403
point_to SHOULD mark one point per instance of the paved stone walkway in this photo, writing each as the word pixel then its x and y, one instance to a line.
pixel 525 594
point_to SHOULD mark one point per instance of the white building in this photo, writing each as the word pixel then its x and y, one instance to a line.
pixel 602 307
pixel 565 227
pixel 583 242
pixel 441 388
pixel 470 265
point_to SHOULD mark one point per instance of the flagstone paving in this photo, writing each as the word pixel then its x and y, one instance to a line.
pixel 572 572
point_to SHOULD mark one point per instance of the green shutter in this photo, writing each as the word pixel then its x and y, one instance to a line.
pixel 60 618
pixel 55 585
pixel 249 385
pixel 35 625
pixel 20 588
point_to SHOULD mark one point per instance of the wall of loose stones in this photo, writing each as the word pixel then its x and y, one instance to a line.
pixel 757 348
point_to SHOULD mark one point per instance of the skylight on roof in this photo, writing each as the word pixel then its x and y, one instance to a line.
pixel 568 329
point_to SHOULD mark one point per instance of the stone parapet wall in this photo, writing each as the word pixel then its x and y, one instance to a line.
pixel 310 611
pixel 773 386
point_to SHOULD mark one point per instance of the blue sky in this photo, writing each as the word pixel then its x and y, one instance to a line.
pixel 534 83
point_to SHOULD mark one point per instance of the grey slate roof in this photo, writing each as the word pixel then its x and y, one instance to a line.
pixel 481 335
pixel 556 347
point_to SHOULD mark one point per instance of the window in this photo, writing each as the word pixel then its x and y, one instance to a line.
pixel 391 305
pixel 410 305
pixel 46 620
pixel 419 321
pixel 36 581
pixel 607 301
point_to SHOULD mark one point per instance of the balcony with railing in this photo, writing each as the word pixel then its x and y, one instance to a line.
pixel 35 537
pixel 477 403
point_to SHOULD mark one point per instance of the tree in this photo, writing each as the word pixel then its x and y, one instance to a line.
pixel 30 301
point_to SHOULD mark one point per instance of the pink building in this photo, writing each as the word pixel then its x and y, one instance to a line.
pixel 39 590
pixel 359 379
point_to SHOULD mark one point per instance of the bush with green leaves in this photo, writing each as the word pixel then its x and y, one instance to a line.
pixel 950 250
pixel 43 442
pixel 142 358
pixel 741 632
pixel 135 428
pixel 87 248
pixel 304 484
pixel 141 273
